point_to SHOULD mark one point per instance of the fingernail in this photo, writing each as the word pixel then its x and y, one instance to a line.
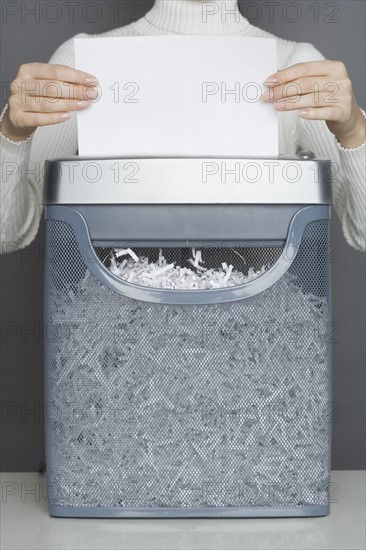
pixel 82 104
pixel 303 113
pixel 92 92
pixel 270 80
pixel 65 115
pixel 267 96
pixel 280 104
pixel 91 80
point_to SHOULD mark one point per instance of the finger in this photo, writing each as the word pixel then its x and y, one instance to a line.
pixel 307 68
pixel 312 85
pixel 33 120
pixel 63 73
pixel 51 105
pixel 59 90
pixel 304 101
pixel 323 113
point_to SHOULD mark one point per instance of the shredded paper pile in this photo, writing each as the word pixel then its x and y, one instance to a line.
pixel 204 405
pixel 163 275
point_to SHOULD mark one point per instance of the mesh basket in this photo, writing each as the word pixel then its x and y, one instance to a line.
pixel 196 407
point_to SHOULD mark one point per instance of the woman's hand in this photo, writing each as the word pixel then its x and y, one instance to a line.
pixel 43 94
pixel 320 90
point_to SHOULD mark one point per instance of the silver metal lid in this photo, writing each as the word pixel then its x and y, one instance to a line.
pixel 273 180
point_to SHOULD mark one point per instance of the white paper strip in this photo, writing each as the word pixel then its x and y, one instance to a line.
pixel 178 96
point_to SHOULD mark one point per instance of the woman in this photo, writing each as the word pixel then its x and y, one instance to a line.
pixel 34 129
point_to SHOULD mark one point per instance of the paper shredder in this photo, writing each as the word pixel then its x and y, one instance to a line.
pixel 188 403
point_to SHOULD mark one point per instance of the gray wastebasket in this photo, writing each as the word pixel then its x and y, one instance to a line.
pixel 177 403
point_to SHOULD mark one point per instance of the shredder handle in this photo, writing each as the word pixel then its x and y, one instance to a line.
pixel 188 297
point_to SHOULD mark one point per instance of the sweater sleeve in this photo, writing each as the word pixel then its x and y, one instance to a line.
pixel 22 166
pixel 349 185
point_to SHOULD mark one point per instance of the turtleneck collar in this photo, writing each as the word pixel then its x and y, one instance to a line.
pixel 197 16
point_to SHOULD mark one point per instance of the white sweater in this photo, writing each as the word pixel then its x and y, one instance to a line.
pixel 22 162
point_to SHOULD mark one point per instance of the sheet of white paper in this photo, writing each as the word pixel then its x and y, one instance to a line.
pixel 178 96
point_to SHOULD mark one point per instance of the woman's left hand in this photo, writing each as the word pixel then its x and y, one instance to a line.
pixel 320 90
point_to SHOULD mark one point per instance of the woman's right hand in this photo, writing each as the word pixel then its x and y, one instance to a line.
pixel 43 94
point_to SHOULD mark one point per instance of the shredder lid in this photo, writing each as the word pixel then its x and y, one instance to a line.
pixel 274 180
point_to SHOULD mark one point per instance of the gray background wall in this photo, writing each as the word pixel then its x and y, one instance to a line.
pixel 339 33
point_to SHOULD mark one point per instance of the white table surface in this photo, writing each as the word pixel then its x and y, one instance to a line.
pixel 25 523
